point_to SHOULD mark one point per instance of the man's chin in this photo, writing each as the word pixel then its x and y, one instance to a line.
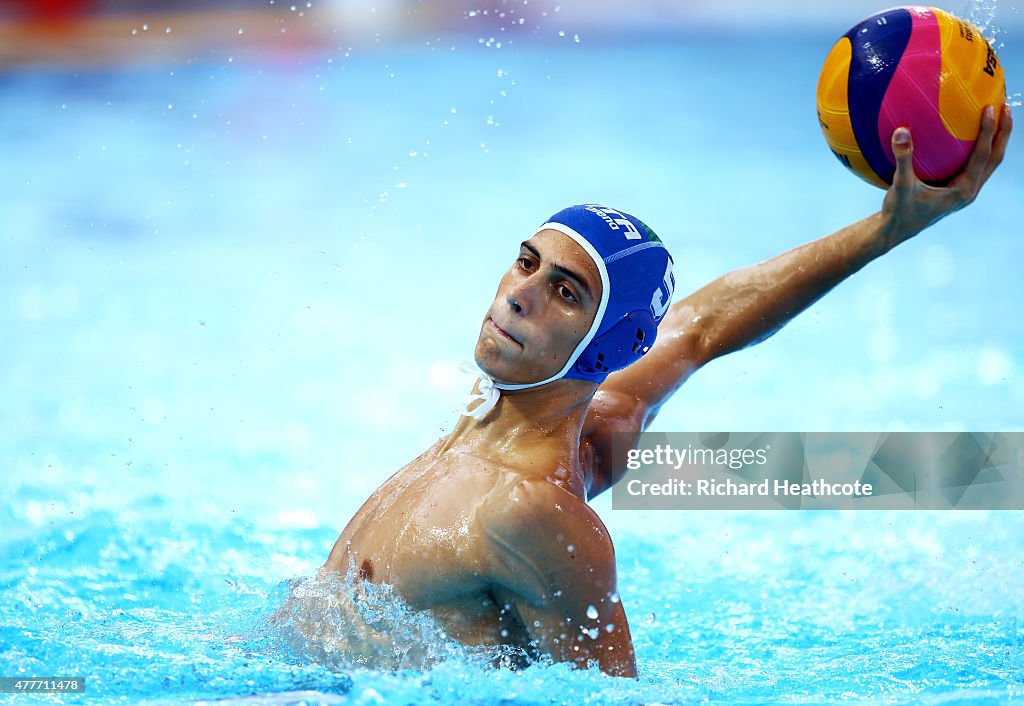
pixel 492 357
pixel 491 367
pixel 487 359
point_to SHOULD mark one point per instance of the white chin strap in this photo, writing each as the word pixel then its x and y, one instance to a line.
pixel 487 394
pixel 489 390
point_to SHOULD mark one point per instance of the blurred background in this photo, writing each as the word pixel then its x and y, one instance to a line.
pixel 98 31
pixel 257 236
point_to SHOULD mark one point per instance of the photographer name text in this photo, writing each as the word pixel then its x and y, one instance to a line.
pixel 733 459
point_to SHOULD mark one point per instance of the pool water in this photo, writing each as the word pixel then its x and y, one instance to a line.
pixel 234 298
pixel 823 607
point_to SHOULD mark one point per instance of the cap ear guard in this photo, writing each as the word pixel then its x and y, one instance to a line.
pixel 621 345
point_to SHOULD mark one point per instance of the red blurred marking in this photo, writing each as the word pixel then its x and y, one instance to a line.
pixel 49 11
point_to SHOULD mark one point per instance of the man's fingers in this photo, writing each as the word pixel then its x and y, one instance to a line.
pixel 903 151
pixel 911 201
pixel 978 160
pixel 1002 138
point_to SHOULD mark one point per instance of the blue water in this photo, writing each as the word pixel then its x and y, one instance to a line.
pixel 234 294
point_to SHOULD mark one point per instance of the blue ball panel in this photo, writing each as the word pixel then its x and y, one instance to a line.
pixel 878 46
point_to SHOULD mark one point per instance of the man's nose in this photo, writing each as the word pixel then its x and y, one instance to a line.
pixel 522 296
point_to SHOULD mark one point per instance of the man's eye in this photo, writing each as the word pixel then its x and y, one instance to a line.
pixel 525 262
pixel 566 293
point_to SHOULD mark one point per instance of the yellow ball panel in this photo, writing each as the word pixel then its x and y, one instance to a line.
pixel 832 83
pixel 834 112
pixel 972 76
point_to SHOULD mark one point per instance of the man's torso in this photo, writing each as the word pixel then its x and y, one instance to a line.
pixel 424 532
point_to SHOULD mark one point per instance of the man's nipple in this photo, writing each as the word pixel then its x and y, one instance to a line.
pixel 366 570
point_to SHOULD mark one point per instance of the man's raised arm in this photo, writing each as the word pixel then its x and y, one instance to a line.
pixel 748 305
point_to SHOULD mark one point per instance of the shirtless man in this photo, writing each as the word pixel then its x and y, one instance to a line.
pixel 489 528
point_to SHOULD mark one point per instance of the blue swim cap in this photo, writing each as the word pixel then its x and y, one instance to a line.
pixel 637 285
pixel 636 288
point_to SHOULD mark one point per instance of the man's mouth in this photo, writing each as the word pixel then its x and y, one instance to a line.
pixel 503 332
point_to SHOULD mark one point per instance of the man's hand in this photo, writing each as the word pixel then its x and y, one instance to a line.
pixel 911 205
pixel 749 305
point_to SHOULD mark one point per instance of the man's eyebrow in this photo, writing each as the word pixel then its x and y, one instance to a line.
pixel 575 276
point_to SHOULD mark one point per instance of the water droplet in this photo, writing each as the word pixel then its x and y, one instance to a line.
pixel 570 547
pixel 610 627
pixel 591 612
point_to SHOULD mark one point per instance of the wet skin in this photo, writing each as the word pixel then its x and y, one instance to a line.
pixel 490 529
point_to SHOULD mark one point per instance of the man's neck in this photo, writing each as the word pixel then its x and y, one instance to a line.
pixel 534 431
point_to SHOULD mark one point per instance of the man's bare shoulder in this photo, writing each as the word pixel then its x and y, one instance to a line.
pixel 613 415
pixel 532 507
pixel 540 536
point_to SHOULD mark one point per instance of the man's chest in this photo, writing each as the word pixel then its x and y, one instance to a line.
pixel 421 531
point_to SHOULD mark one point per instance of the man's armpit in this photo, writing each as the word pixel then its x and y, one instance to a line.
pixel 612 415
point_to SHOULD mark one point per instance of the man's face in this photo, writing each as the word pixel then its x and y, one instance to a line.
pixel 545 305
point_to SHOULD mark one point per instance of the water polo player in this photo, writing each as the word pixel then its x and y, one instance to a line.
pixel 489 528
